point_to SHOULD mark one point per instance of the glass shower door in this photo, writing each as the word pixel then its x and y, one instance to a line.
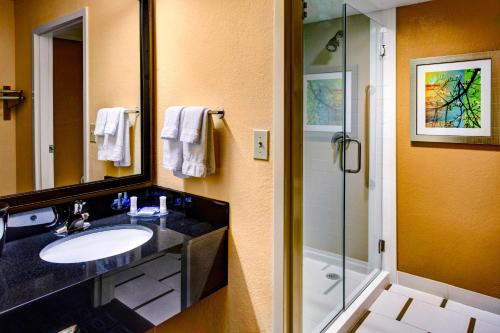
pixel 363 152
pixel 323 178
pixel 342 156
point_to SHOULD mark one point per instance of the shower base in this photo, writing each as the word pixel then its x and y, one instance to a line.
pixel 323 286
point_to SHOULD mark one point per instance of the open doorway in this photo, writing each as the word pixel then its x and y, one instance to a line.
pixel 60 102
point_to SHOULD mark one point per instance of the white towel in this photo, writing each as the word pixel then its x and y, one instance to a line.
pixel 191 123
pixel 172 147
pixel 125 149
pixel 172 155
pixel 199 158
pixel 114 145
pixel 171 123
pixel 112 120
pixel 100 122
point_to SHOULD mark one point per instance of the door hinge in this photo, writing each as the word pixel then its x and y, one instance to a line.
pixel 382 50
pixel 52 149
pixel 381 245
pixel 304 7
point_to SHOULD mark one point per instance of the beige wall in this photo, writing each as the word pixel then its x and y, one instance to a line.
pixel 447 194
pixel 220 52
pixel 114 78
pixel 7 77
pixel 323 180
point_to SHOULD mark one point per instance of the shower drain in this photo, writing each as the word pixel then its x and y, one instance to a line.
pixel 332 276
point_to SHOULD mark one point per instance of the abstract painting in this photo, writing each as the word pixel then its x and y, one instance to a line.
pixel 454 98
pixel 324 102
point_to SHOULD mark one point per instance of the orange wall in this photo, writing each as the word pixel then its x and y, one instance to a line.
pixel 114 72
pixel 7 77
pixel 68 110
pixel 219 52
pixel 448 194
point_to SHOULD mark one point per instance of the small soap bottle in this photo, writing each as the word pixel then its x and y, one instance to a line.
pixel 133 205
pixel 163 205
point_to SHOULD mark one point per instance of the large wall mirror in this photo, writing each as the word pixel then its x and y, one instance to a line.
pixel 75 95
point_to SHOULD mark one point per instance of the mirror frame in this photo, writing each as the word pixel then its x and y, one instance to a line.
pixel 35 199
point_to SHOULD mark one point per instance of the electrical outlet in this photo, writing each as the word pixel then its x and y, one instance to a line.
pixel 261 144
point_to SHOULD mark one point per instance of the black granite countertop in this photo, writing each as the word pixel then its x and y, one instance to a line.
pixel 25 277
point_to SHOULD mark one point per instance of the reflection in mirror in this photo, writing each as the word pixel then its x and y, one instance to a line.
pixel 70 92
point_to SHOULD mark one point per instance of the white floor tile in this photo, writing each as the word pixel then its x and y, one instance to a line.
pixel 127 275
pixel 139 291
pixel 484 327
pixel 173 282
pixel 389 304
pixel 482 315
pixel 160 267
pixel 376 323
pixel 434 318
pixel 161 309
pixel 416 294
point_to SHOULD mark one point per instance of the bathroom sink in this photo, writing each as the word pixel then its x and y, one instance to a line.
pixel 96 244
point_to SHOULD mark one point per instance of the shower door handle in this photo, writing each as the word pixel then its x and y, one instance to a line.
pixel 358 167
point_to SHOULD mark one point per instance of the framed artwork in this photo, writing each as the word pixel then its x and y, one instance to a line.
pixel 324 101
pixel 451 99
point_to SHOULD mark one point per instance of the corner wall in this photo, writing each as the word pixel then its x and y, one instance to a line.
pixel 219 52
pixel 448 194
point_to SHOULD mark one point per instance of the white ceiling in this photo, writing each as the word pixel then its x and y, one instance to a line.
pixel 320 10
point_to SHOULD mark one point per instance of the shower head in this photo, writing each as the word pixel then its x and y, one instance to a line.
pixel 334 42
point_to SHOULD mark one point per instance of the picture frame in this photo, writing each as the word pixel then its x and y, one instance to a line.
pixel 323 101
pixel 454 99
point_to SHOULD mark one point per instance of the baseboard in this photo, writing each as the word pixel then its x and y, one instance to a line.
pixel 448 291
pixel 346 320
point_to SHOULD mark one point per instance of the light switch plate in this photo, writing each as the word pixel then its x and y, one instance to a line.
pixel 261 144
pixel 92 135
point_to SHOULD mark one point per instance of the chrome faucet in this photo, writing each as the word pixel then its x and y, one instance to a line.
pixel 76 220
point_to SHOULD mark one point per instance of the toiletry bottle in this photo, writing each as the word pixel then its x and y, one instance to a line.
pixel 163 205
pixel 133 205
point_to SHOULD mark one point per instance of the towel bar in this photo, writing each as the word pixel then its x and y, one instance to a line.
pixel 218 111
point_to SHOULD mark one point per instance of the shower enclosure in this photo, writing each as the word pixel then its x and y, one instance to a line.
pixel 338 240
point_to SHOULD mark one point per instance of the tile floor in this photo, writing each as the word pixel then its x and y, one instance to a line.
pixel 152 289
pixel 399 310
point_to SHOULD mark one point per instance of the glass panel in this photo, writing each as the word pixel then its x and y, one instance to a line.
pixel 363 157
pixel 323 204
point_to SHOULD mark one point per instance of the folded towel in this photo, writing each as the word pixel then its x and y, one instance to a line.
pixel 125 149
pixel 112 120
pixel 191 123
pixel 114 145
pixel 199 158
pixel 172 155
pixel 172 148
pixel 100 122
pixel 171 123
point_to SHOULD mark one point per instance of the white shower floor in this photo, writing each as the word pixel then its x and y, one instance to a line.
pixel 322 297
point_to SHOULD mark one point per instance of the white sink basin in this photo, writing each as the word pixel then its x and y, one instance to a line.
pixel 96 244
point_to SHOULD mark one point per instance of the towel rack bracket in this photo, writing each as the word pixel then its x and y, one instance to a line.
pixel 219 111
pixel 7 96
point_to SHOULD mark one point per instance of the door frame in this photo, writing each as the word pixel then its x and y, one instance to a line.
pixel 42 86
pixel 292 166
